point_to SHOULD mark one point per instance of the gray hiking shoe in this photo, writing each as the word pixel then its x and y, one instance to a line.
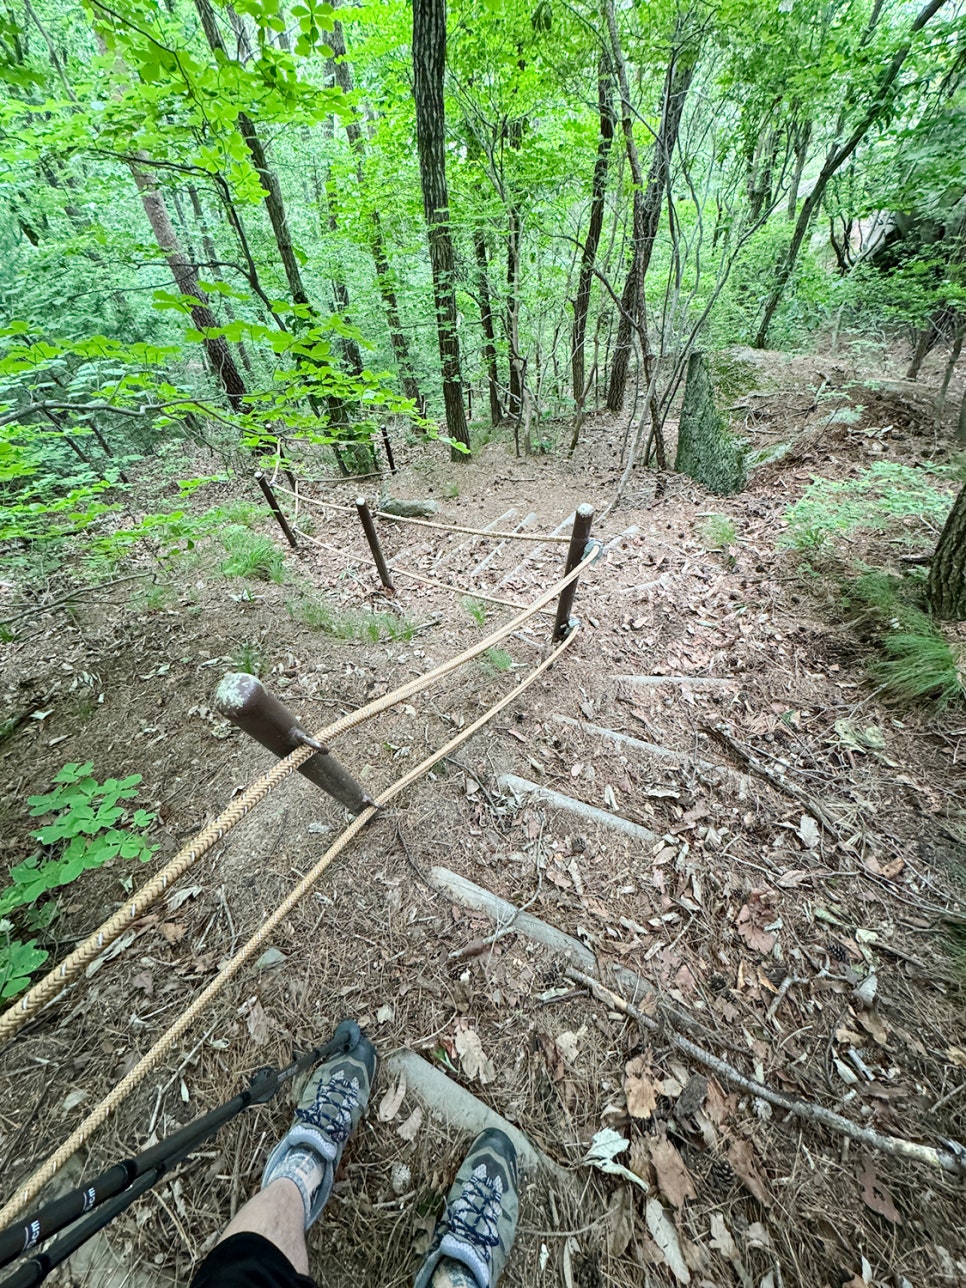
pixel 334 1099
pixel 480 1221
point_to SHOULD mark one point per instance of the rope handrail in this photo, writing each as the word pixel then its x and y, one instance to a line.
pixel 32 1187
pixel 47 988
pixel 427 523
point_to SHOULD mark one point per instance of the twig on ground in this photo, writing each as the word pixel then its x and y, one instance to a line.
pixel 951 1159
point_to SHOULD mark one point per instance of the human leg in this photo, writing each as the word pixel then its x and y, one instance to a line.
pixel 264 1244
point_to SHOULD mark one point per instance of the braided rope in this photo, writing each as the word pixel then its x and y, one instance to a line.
pixel 458 590
pixel 426 523
pixel 47 988
pixel 44 1174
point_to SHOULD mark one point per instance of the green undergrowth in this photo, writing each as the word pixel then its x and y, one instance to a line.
pixel 251 554
pixel 916 663
pixel 87 826
pixel 887 497
pixel 349 624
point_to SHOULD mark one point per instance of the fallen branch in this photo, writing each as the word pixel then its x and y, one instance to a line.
pixel 778 780
pixel 951 1158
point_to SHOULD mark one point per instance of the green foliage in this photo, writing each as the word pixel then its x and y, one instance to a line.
pixel 476 609
pixel 250 554
pixel 248 657
pixel 716 531
pixel 347 625
pixel 886 497
pixel 496 660
pixel 920 665
pixel 87 827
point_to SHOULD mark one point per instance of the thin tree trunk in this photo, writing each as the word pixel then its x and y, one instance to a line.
pixel 879 102
pixel 605 107
pixel 803 134
pixel 515 393
pixel 429 64
pixel 925 339
pixel 208 246
pixel 216 348
pixel 489 333
pixel 647 207
pixel 946 586
pixel 953 358
pixel 377 241
pixel 274 203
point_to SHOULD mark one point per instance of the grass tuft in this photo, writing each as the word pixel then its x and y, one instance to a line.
pixel 249 658
pixel 920 666
pixel 347 625
pixel 716 532
pixel 251 555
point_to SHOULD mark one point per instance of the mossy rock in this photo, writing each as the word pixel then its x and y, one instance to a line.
pixel 707 451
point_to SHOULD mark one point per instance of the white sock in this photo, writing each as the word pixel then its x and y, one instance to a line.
pixel 306 1169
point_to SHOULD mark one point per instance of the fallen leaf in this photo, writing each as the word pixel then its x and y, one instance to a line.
pixel 144 982
pixel 741 1156
pixel 173 931
pixel 182 896
pixel 619 1221
pixel 473 1059
pixel 566 1044
pixel 673 1177
pixel 756 914
pixel 603 1150
pixel 73 1099
pixel 877 1196
pixel 640 1087
pixel 721 1239
pixel 808 832
pixel 389 1104
pixel 259 1026
pixel 956 1056
pixel 408 1129
pixel 666 1237
pixel 385 1014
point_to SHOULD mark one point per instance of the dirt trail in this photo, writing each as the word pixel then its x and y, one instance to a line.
pixel 709 700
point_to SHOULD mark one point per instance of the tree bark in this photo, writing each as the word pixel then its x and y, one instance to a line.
pixel 429 64
pixel 385 281
pixel 946 586
pixel 274 202
pixel 489 333
pixel 647 201
pixel 605 107
pixel 219 355
pixel 836 158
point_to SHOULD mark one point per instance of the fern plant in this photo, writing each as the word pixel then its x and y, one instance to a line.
pixel 88 827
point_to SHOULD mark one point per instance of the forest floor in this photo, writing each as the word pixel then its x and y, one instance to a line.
pixel 808 839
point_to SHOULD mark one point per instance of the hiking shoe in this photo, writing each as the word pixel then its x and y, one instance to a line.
pixel 480 1221
pixel 334 1099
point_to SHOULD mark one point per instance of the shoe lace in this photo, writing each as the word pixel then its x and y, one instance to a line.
pixel 332 1111
pixel 475 1213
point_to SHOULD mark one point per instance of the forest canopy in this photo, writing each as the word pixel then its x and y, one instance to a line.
pixel 266 226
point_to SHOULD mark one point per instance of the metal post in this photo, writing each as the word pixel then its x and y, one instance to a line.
pixel 369 528
pixel 245 701
pixel 388 448
pixel 276 509
pixel 575 553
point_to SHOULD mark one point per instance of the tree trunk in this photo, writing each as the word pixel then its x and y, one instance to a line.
pixel 880 101
pixel 274 203
pixel 216 348
pixel 429 64
pixel 953 358
pixel 946 587
pixel 377 241
pixel 647 215
pixel 515 393
pixel 802 135
pixel 208 246
pixel 486 319
pixel 925 339
pixel 595 224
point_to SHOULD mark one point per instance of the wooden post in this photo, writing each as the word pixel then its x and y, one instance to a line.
pixel 276 509
pixel 245 701
pixel 369 528
pixel 388 449
pixel 575 553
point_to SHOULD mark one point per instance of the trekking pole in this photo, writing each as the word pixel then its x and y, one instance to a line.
pixel 113 1191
